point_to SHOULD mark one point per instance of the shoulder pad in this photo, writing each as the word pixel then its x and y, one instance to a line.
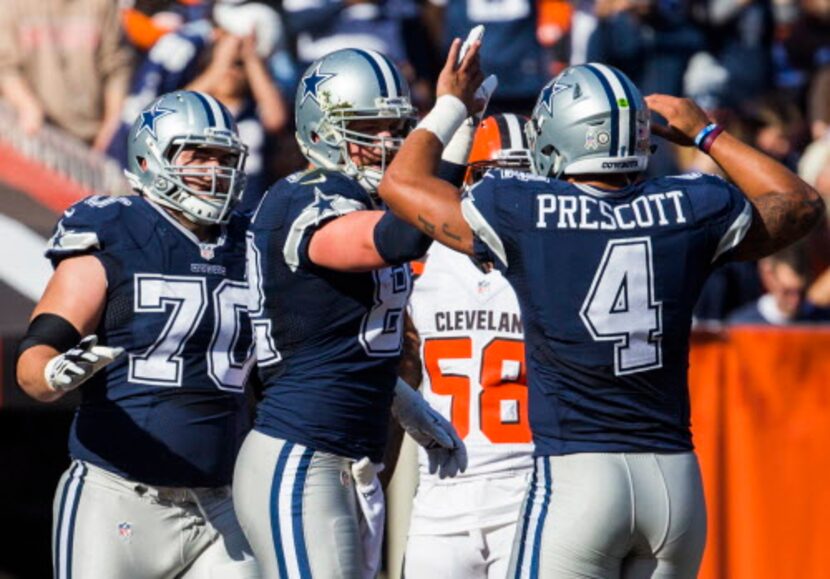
pixel 318 200
pixel 697 177
pixel 82 227
pixel 709 195
pixel 335 183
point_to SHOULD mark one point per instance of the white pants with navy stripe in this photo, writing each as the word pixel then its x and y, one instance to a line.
pixel 612 516
pixel 107 527
pixel 298 509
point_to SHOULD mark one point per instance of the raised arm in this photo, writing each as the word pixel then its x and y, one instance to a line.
pixel 410 185
pixel 785 208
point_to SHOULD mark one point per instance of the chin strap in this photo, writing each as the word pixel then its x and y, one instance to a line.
pixel 558 169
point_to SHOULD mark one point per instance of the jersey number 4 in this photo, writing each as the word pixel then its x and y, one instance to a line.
pixel 502 403
pixel 620 306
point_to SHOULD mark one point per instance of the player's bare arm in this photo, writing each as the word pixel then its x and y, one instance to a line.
pixel 410 186
pixel 77 293
pixel 347 243
pixel 365 241
pixel 785 208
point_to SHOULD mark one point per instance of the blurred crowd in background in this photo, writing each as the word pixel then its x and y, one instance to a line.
pixel 760 67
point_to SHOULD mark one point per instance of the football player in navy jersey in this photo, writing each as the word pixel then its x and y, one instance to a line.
pixel 607 268
pixel 158 277
pixel 329 276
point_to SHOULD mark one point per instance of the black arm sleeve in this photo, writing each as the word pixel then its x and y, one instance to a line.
pixel 398 242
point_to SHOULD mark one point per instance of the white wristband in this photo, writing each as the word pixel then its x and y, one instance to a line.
pixel 444 118
pixel 457 150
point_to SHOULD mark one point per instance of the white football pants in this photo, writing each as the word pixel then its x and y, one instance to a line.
pixel 105 526
pixel 612 516
pixel 298 509
pixel 476 554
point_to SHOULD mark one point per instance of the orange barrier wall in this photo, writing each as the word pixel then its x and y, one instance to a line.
pixel 761 419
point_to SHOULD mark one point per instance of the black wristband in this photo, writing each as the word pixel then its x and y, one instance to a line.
pixel 49 330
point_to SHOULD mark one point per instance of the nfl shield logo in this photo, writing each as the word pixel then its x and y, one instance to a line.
pixel 125 530
pixel 206 251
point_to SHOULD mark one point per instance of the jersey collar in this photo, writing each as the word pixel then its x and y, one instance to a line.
pixel 206 249
pixel 597 192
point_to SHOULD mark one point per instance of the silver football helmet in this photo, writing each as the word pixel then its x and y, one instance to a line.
pixel 342 87
pixel 589 119
pixel 187 120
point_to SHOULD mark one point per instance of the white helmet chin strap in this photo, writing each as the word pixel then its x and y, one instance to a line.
pixel 201 211
pixel 558 166
pixel 368 177
pixel 194 209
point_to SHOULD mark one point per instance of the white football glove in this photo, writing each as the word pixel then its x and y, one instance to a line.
pixel 446 452
pixel 69 370
pixel 458 149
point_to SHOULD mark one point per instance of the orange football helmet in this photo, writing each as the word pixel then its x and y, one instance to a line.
pixel 499 141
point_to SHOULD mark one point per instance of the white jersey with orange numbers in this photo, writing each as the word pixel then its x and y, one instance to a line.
pixel 472 351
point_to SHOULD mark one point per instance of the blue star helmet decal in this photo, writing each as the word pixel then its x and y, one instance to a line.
pixel 550 91
pixel 149 118
pixel 312 81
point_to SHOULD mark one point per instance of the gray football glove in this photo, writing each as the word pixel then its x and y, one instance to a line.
pixel 446 452
pixel 69 370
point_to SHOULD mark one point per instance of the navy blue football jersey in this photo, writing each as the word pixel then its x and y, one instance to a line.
pixel 172 410
pixel 328 342
pixel 607 281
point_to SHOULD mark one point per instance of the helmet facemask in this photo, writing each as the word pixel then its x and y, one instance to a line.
pixel 219 186
pixel 338 99
pixel 516 159
pixel 184 153
pixel 499 142
pixel 546 162
pixel 335 130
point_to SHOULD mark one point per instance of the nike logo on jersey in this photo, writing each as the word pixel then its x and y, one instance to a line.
pixel 317 181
